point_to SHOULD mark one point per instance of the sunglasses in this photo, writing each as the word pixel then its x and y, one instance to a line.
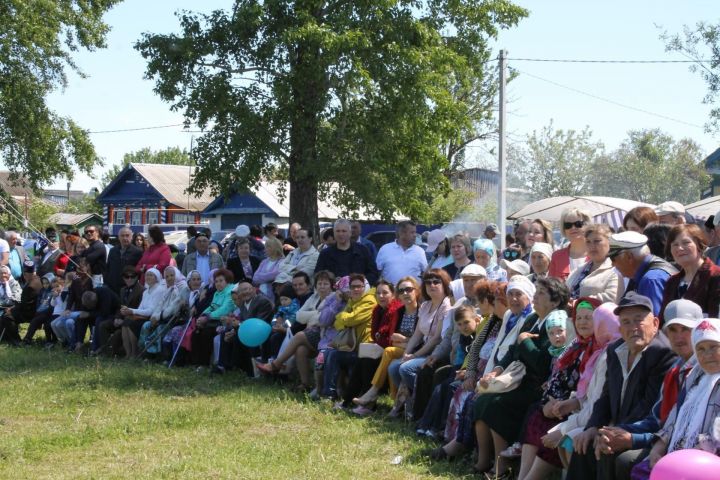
pixel 615 253
pixel 576 224
pixel 89 232
pixel 511 254
pixel 406 290
pixel 432 281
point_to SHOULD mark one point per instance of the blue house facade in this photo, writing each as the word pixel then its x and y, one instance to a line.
pixel 147 194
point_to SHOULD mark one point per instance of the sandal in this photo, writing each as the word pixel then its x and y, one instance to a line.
pixel 268 368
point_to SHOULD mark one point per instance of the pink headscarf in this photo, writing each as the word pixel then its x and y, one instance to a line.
pixel 606 330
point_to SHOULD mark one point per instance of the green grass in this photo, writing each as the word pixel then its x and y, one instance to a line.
pixel 65 416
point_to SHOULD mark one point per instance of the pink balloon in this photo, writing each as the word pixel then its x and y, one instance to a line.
pixel 687 464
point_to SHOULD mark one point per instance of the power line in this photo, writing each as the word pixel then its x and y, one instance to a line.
pixel 139 128
pixel 568 60
pixel 612 102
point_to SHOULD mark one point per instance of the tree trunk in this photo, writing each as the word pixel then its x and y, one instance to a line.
pixel 309 86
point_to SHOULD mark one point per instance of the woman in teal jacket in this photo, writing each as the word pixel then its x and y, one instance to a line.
pixel 205 325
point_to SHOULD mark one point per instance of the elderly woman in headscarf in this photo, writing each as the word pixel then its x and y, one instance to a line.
pixel 538 460
pixel 196 293
pixel 135 317
pixel 484 253
pixel 10 289
pixel 499 416
pixel 168 312
pixel 693 422
pixel 606 329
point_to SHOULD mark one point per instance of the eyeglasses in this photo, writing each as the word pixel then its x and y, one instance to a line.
pixel 357 286
pixel 406 290
pixel 129 276
pixel 613 254
pixel 432 281
pixel 576 224
pixel 89 232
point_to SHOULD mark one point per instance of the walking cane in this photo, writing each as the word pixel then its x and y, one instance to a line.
pixel 177 349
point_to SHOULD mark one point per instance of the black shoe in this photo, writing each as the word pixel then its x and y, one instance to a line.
pixel 217 370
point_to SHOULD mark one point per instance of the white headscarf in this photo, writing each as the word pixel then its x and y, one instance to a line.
pixel 691 417
pixel 6 285
pixel 179 277
pixel 158 276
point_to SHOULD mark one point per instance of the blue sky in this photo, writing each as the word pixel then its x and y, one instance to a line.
pixel 115 95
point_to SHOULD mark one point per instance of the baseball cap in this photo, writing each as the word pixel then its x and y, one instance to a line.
pixel 682 312
pixel 493 227
pixel 633 299
pixel 667 208
pixel 433 240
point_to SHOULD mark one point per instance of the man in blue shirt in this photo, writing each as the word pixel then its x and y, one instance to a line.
pixel 647 273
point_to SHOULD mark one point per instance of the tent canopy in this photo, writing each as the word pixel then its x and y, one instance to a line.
pixel 551 208
pixel 704 208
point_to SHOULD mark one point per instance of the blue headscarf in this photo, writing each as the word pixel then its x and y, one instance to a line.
pixel 488 247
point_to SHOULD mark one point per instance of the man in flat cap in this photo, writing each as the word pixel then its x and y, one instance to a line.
pixel 647 273
pixel 636 368
pixel 671 213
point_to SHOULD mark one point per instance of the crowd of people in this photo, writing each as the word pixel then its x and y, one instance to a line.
pixel 596 356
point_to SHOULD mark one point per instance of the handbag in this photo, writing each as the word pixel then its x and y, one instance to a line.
pixel 345 340
pixel 507 381
pixel 370 350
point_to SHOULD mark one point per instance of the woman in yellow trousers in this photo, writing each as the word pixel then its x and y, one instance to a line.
pixel 408 291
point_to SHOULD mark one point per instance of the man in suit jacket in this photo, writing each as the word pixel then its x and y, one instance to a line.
pixel 46 263
pixel 636 367
pixel 124 255
pixel 233 354
pixel 202 259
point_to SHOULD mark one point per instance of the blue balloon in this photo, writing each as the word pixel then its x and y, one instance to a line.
pixel 253 332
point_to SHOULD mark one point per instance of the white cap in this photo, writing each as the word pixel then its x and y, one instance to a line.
pixel 242 231
pixel 473 270
pixel 517 265
pixel 708 329
pixel 667 208
pixel 682 312
pixel 433 240
pixel 544 248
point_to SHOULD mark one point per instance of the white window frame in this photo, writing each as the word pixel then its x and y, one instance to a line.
pixel 120 216
pixel 153 217
pixel 136 217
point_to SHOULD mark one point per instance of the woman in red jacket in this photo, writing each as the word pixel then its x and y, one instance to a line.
pixel 385 317
pixel 565 260
pixel 698 279
pixel 157 255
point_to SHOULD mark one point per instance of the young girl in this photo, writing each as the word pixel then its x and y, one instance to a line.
pixel 556 326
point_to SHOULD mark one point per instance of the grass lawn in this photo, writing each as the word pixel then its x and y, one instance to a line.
pixel 66 416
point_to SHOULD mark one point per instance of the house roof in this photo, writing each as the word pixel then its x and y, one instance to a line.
pixel 712 162
pixel 73 218
pixel 18 188
pixel 170 181
pixel 268 194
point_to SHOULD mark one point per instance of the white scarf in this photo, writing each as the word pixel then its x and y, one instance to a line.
pixel 691 417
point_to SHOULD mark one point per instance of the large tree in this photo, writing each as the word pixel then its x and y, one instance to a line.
pixel 37 39
pixel 651 166
pixel 702 44
pixel 554 162
pixel 167 156
pixel 351 101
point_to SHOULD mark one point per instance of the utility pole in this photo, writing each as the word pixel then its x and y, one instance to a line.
pixel 502 153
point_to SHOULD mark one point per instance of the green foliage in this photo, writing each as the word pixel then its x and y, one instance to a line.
pixel 168 156
pixel 86 204
pixel 449 206
pixel 355 101
pixel 554 162
pixel 702 44
pixel 36 43
pixel 650 166
pixel 39 213
pixel 74 417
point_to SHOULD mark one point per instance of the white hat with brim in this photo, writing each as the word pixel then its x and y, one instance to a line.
pixel 433 240
pixel 517 265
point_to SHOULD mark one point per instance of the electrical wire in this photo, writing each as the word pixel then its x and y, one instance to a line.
pixel 641 62
pixel 140 128
pixel 607 100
